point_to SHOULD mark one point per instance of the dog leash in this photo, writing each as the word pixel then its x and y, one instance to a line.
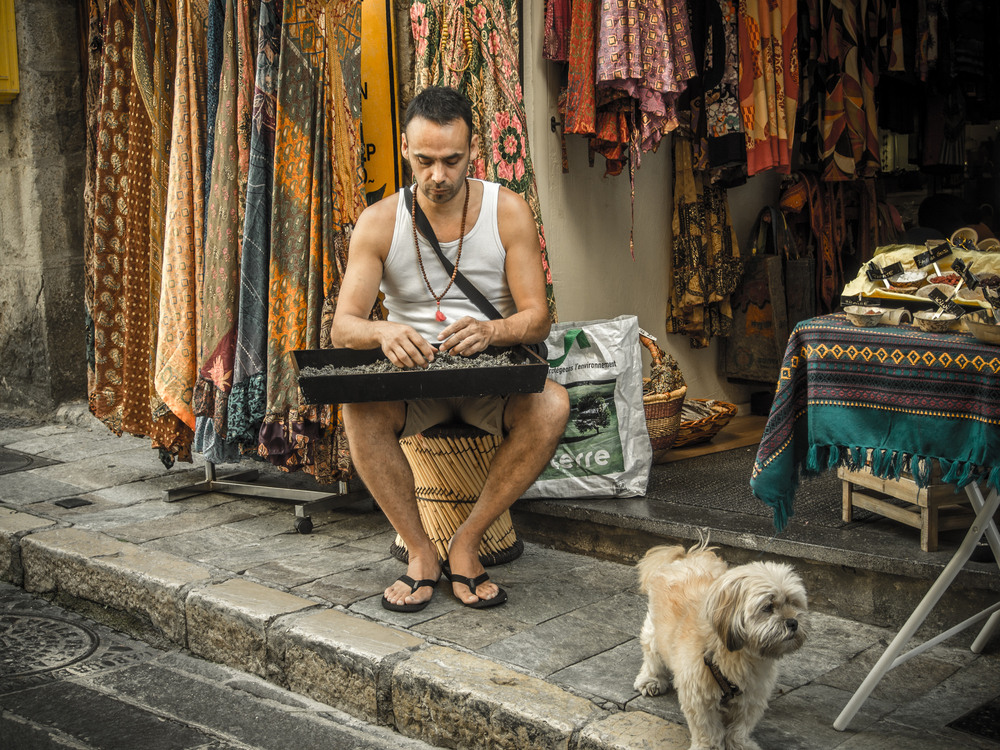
pixel 729 690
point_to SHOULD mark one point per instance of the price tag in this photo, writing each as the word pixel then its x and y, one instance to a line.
pixel 946 304
pixel 875 273
pixel 965 271
pixel 933 255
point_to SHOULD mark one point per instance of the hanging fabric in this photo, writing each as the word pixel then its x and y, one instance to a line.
pixel 318 194
pixel 706 264
pixel 723 123
pixel 557 30
pixel 645 51
pixel 247 403
pixel 183 252
pixel 92 102
pixel 168 433
pixel 110 228
pixel 473 46
pixel 579 110
pixel 840 131
pixel 223 235
pixel 214 52
pixel 768 82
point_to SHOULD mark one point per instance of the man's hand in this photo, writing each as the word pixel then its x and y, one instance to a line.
pixel 466 336
pixel 404 346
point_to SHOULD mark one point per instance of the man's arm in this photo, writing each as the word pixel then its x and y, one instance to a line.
pixel 526 279
pixel 352 328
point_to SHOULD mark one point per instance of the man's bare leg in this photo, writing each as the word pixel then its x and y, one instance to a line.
pixel 373 434
pixel 534 423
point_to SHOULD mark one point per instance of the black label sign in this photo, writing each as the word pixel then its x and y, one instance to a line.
pixel 875 273
pixel 992 296
pixel 959 267
pixel 945 304
pixel 932 255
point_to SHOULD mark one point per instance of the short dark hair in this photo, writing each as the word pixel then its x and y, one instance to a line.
pixel 441 105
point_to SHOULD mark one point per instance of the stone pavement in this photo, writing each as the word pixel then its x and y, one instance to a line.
pixel 227 579
pixel 68 682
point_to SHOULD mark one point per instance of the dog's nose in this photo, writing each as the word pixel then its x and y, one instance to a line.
pixel 792 624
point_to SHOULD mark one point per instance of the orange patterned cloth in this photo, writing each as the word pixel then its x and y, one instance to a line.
pixel 183 252
pixel 110 228
pixel 318 195
pixel 768 82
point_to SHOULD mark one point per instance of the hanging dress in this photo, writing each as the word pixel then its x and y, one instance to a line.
pixel 473 46
pixel 645 51
pixel 706 264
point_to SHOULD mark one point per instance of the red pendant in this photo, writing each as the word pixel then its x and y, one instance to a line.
pixel 439 315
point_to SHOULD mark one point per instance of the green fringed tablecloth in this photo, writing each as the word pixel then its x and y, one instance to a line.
pixel 894 397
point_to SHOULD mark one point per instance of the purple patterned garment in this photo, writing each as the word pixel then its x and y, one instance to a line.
pixel 645 50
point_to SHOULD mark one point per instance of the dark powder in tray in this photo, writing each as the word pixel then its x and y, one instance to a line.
pixel 441 362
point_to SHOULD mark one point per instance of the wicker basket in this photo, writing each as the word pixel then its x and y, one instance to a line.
pixel 704 429
pixel 662 398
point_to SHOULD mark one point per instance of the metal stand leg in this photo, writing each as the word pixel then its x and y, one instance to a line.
pixel 983 524
pixel 305 500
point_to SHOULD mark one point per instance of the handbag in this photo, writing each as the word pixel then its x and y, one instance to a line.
pixel 605 450
pixel 468 288
pixel 756 346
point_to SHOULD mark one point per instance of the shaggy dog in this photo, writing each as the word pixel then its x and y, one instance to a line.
pixel 718 632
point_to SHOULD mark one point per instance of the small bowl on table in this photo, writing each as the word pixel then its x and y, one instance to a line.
pixel 864 316
pixel 983 326
pixel 933 321
pixel 913 278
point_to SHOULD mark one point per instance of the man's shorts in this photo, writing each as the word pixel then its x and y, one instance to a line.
pixel 484 412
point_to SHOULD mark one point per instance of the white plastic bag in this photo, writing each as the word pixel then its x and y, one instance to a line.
pixel 605 451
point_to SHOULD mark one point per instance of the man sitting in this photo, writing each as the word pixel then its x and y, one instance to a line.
pixel 488 232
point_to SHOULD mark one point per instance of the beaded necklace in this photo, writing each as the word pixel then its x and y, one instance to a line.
pixel 440 316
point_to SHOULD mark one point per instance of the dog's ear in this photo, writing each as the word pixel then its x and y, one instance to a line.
pixel 725 611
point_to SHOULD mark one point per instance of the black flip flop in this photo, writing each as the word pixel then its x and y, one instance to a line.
pixel 414 585
pixel 472 584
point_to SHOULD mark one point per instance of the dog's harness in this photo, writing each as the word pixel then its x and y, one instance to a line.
pixel 729 689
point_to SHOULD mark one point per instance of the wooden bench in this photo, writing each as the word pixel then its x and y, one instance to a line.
pixel 935 508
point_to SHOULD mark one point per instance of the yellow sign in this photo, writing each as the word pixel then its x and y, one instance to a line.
pixel 10 83
pixel 379 111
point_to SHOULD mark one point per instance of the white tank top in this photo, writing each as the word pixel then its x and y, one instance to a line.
pixel 407 299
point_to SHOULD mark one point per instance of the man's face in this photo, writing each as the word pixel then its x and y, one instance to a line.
pixel 439 156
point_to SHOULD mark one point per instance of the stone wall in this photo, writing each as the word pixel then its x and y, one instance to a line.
pixel 42 333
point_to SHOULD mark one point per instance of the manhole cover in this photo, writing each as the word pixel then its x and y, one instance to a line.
pixel 12 461
pixel 33 644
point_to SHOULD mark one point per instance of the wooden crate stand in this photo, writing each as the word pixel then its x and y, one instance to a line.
pixel 936 507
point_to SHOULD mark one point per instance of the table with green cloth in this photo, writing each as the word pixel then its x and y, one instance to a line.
pixel 894 398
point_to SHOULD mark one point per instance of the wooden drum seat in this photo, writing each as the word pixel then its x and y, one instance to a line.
pixel 450 464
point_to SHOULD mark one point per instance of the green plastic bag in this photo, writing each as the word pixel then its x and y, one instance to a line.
pixel 605 451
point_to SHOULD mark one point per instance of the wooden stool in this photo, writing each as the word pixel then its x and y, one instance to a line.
pixel 938 507
pixel 449 465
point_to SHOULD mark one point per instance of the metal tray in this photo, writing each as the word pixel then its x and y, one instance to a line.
pixel 526 376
